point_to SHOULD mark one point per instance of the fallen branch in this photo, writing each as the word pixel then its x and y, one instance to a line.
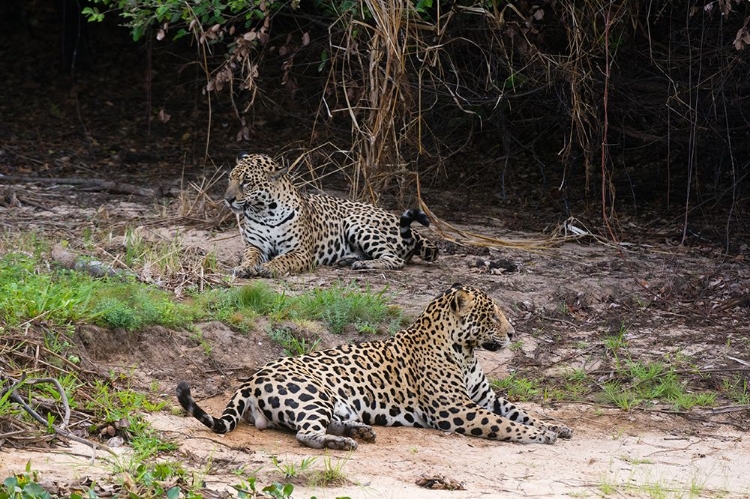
pixel 97 185
pixel 72 261
pixel 727 408
pixel 58 429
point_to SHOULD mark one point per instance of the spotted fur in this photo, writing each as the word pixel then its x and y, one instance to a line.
pixel 425 376
pixel 288 233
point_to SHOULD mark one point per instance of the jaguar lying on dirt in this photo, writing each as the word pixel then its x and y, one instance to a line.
pixel 287 232
pixel 425 376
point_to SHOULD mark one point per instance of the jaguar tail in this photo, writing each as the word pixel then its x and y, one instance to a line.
pixel 407 218
pixel 423 248
pixel 226 423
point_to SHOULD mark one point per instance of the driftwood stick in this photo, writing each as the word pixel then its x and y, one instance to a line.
pixel 95 184
pixel 72 261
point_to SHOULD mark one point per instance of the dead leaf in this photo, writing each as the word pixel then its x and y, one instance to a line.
pixel 305 38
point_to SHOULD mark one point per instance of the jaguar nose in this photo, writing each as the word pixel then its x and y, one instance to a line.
pixel 511 332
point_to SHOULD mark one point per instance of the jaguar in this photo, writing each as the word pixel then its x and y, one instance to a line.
pixel 425 376
pixel 288 232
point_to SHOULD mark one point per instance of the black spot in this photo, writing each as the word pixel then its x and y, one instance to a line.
pixel 444 425
pixel 381 420
pixel 458 421
pixel 470 416
pixel 476 432
pixel 291 403
pixel 268 388
pixel 443 414
pixel 275 402
pixel 306 397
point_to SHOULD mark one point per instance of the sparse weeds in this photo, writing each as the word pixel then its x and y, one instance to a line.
pixel 637 383
pixel 736 389
pixel 615 343
pixel 292 470
pixel 304 472
pixel 332 473
pixel 111 404
pixel 517 387
pixel 337 307
pixel 292 342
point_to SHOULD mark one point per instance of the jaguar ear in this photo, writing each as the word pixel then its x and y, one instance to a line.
pixel 242 156
pixel 461 302
pixel 277 174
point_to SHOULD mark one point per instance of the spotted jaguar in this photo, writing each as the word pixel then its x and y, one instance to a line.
pixel 426 376
pixel 287 232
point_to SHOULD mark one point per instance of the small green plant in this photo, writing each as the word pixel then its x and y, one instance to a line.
pixel 736 389
pixel 517 387
pixel 365 327
pixel 615 343
pixel 116 404
pixel 623 399
pixel 292 470
pixel 205 345
pixel 23 486
pixel 516 346
pixel 248 489
pixel 292 343
pixel 640 383
pixel 339 306
pixel 331 474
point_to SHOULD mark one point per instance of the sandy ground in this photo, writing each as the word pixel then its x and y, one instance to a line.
pixel 636 455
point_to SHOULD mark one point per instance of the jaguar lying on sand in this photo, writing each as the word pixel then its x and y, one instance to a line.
pixel 425 376
pixel 288 233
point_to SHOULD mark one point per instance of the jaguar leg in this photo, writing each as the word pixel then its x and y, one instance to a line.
pixel 251 261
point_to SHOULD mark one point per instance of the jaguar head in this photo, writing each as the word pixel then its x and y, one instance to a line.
pixel 480 322
pixel 251 183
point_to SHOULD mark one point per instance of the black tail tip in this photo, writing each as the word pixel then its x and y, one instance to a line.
pixel 183 390
pixel 412 215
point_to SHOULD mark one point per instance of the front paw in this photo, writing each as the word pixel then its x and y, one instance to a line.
pixel 242 272
pixel 248 272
